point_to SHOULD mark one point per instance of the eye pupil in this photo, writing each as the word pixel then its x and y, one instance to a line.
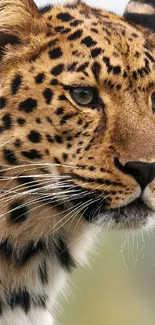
pixel 83 96
pixel 153 102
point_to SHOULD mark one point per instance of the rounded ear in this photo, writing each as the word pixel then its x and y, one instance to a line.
pixel 141 13
pixel 18 20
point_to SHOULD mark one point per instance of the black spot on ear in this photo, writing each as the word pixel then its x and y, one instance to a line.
pixel 64 16
pixel 2 102
pixel 15 85
pixel 56 53
pixel 28 105
pixel 19 212
pixel 9 156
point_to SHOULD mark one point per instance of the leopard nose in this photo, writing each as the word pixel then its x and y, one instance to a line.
pixel 143 173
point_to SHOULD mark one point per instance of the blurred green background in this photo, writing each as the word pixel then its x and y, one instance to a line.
pixel 118 285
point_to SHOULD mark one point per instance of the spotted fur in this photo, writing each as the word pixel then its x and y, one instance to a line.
pixel 66 169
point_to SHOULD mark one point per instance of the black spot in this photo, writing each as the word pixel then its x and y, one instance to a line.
pixel 96 52
pixel 54 82
pixel 9 156
pixel 76 22
pixel 58 139
pixel 69 138
pixel 62 98
pixel 77 34
pixel 72 66
pixel 21 121
pixel 32 154
pixel 20 298
pixel 64 16
pixel 116 70
pixel 88 41
pixel 6 249
pixel 15 85
pixel 49 120
pixel 67 117
pixel 7 121
pixel 96 68
pixel 57 161
pixel 59 111
pixel 83 66
pixel 63 254
pixel 58 69
pixel 94 30
pixel 2 102
pixel 69 145
pixel 31 250
pixel 65 156
pixel 34 136
pixel 17 143
pixel 150 57
pixel 19 212
pixel 43 273
pixel 56 53
pixel 28 105
pixel 38 120
pixel 40 78
pixel 48 94
pixel 49 138
pixel 135 75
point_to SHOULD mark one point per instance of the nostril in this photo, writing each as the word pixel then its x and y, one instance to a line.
pixel 142 172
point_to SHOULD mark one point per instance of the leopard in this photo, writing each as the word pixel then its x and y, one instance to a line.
pixel 77 145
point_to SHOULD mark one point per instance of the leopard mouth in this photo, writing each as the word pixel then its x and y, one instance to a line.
pixel 133 215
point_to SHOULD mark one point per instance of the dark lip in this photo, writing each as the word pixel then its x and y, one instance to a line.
pixel 138 203
pixel 97 209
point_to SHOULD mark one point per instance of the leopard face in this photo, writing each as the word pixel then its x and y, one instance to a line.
pixel 77 116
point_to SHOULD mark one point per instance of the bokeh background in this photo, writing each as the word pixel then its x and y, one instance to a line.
pixel 118 285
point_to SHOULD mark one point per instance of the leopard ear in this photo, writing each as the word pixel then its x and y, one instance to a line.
pixel 18 20
pixel 141 13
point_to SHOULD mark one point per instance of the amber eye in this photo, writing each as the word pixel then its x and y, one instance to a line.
pixel 83 96
pixel 153 102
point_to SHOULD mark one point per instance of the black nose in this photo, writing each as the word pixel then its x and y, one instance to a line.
pixel 143 173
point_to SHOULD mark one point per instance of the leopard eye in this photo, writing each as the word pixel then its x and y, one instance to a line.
pixel 153 102
pixel 83 96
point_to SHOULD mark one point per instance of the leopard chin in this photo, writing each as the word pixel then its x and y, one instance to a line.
pixel 135 215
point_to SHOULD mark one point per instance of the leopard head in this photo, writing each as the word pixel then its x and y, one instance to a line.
pixel 77 122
